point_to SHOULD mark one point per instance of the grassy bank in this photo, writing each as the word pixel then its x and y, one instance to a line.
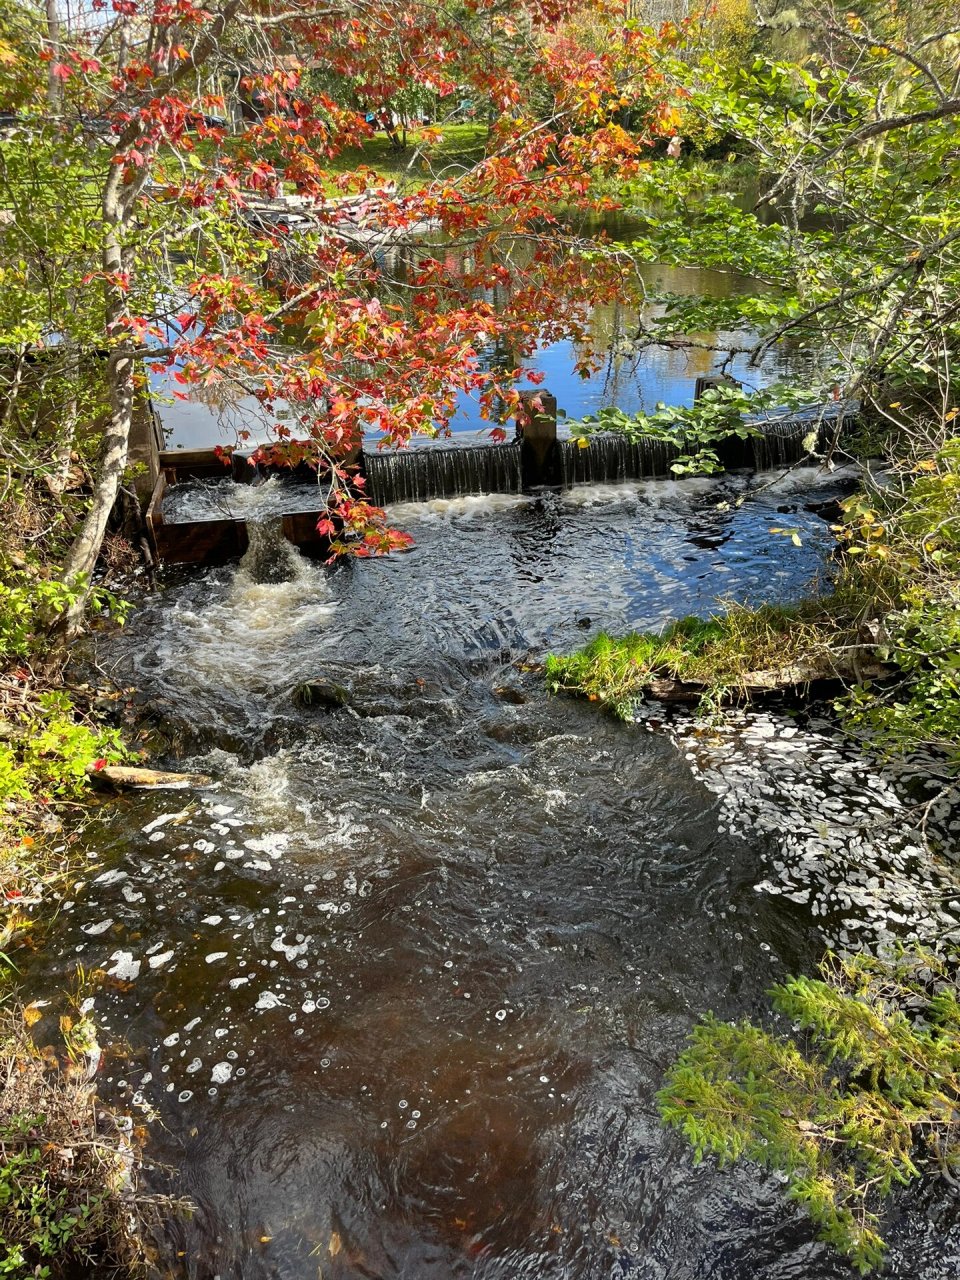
pixel 720 656
pixel 895 602
pixel 69 1202
pixel 460 147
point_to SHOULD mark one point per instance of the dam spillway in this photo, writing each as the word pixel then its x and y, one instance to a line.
pixel 199 514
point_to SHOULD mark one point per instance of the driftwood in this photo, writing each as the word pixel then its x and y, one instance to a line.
pixel 123 777
pixel 754 684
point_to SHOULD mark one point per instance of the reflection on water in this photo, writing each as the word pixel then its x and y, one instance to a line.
pixel 401 989
pixel 625 376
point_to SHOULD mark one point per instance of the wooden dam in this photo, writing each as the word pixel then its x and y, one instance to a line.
pixel 200 507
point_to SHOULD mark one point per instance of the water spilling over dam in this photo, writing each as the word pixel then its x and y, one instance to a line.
pixel 206 520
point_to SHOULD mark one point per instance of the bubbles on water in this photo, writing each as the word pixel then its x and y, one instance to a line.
pixel 94 930
pixel 125 967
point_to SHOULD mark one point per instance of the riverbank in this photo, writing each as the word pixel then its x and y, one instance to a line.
pixel 887 628
pixel 71 1201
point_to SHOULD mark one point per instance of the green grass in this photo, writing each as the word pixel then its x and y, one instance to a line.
pixel 461 147
pixel 716 653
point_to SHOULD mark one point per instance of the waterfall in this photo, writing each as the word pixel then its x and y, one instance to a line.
pixel 610 459
pixel 418 475
pixel 269 557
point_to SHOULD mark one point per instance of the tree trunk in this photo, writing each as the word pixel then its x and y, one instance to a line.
pixel 54 91
pixel 67 425
pixel 82 557
pixel 118 202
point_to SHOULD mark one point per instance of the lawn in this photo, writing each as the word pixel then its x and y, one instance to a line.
pixel 461 146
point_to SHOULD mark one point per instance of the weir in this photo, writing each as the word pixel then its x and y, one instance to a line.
pixel 417 475
pixel 209 524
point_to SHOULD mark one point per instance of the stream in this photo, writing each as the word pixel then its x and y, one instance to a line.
pixel 398 991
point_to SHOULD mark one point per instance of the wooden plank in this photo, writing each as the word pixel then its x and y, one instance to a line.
pixel 201 541
pixel 155 513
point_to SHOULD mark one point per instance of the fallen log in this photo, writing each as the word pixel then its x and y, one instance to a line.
pixel 123 777
pixel 758 683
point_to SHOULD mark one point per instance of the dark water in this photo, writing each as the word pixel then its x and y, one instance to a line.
pixel 400 991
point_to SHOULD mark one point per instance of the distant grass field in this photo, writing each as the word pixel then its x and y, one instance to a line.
pixel 461 147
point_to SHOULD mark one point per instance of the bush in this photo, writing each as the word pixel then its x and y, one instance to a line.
pixel 861 1097
pixel 50 751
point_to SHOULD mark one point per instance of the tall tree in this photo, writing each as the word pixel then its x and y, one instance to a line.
pixel 190 277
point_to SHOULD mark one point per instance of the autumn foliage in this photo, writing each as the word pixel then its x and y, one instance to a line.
pixel 184 118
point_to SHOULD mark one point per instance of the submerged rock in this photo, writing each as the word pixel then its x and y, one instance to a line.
pixel 320 692
pixel 510 693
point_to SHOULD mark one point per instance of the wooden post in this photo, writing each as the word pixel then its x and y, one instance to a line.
pixel 710 382
pixel 144 447
pixel 537 433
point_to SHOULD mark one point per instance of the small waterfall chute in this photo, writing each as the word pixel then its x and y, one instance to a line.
pixel 269 557
pixel 420 475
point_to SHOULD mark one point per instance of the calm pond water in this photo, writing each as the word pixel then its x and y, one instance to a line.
pixel 630 379
pixel 401 988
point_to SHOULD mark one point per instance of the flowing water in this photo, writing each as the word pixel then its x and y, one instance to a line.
pixel 400 989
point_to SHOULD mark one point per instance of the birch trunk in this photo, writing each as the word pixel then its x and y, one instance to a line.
pixel 81 559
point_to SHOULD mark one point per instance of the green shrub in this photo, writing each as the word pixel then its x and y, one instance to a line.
pixel 51 751
pixel 862 1097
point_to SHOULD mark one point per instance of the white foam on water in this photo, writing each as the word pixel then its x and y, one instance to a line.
pixel 845 842
pixel 124 966
pixel 470 505
pixel 94 930
pixel 110 877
